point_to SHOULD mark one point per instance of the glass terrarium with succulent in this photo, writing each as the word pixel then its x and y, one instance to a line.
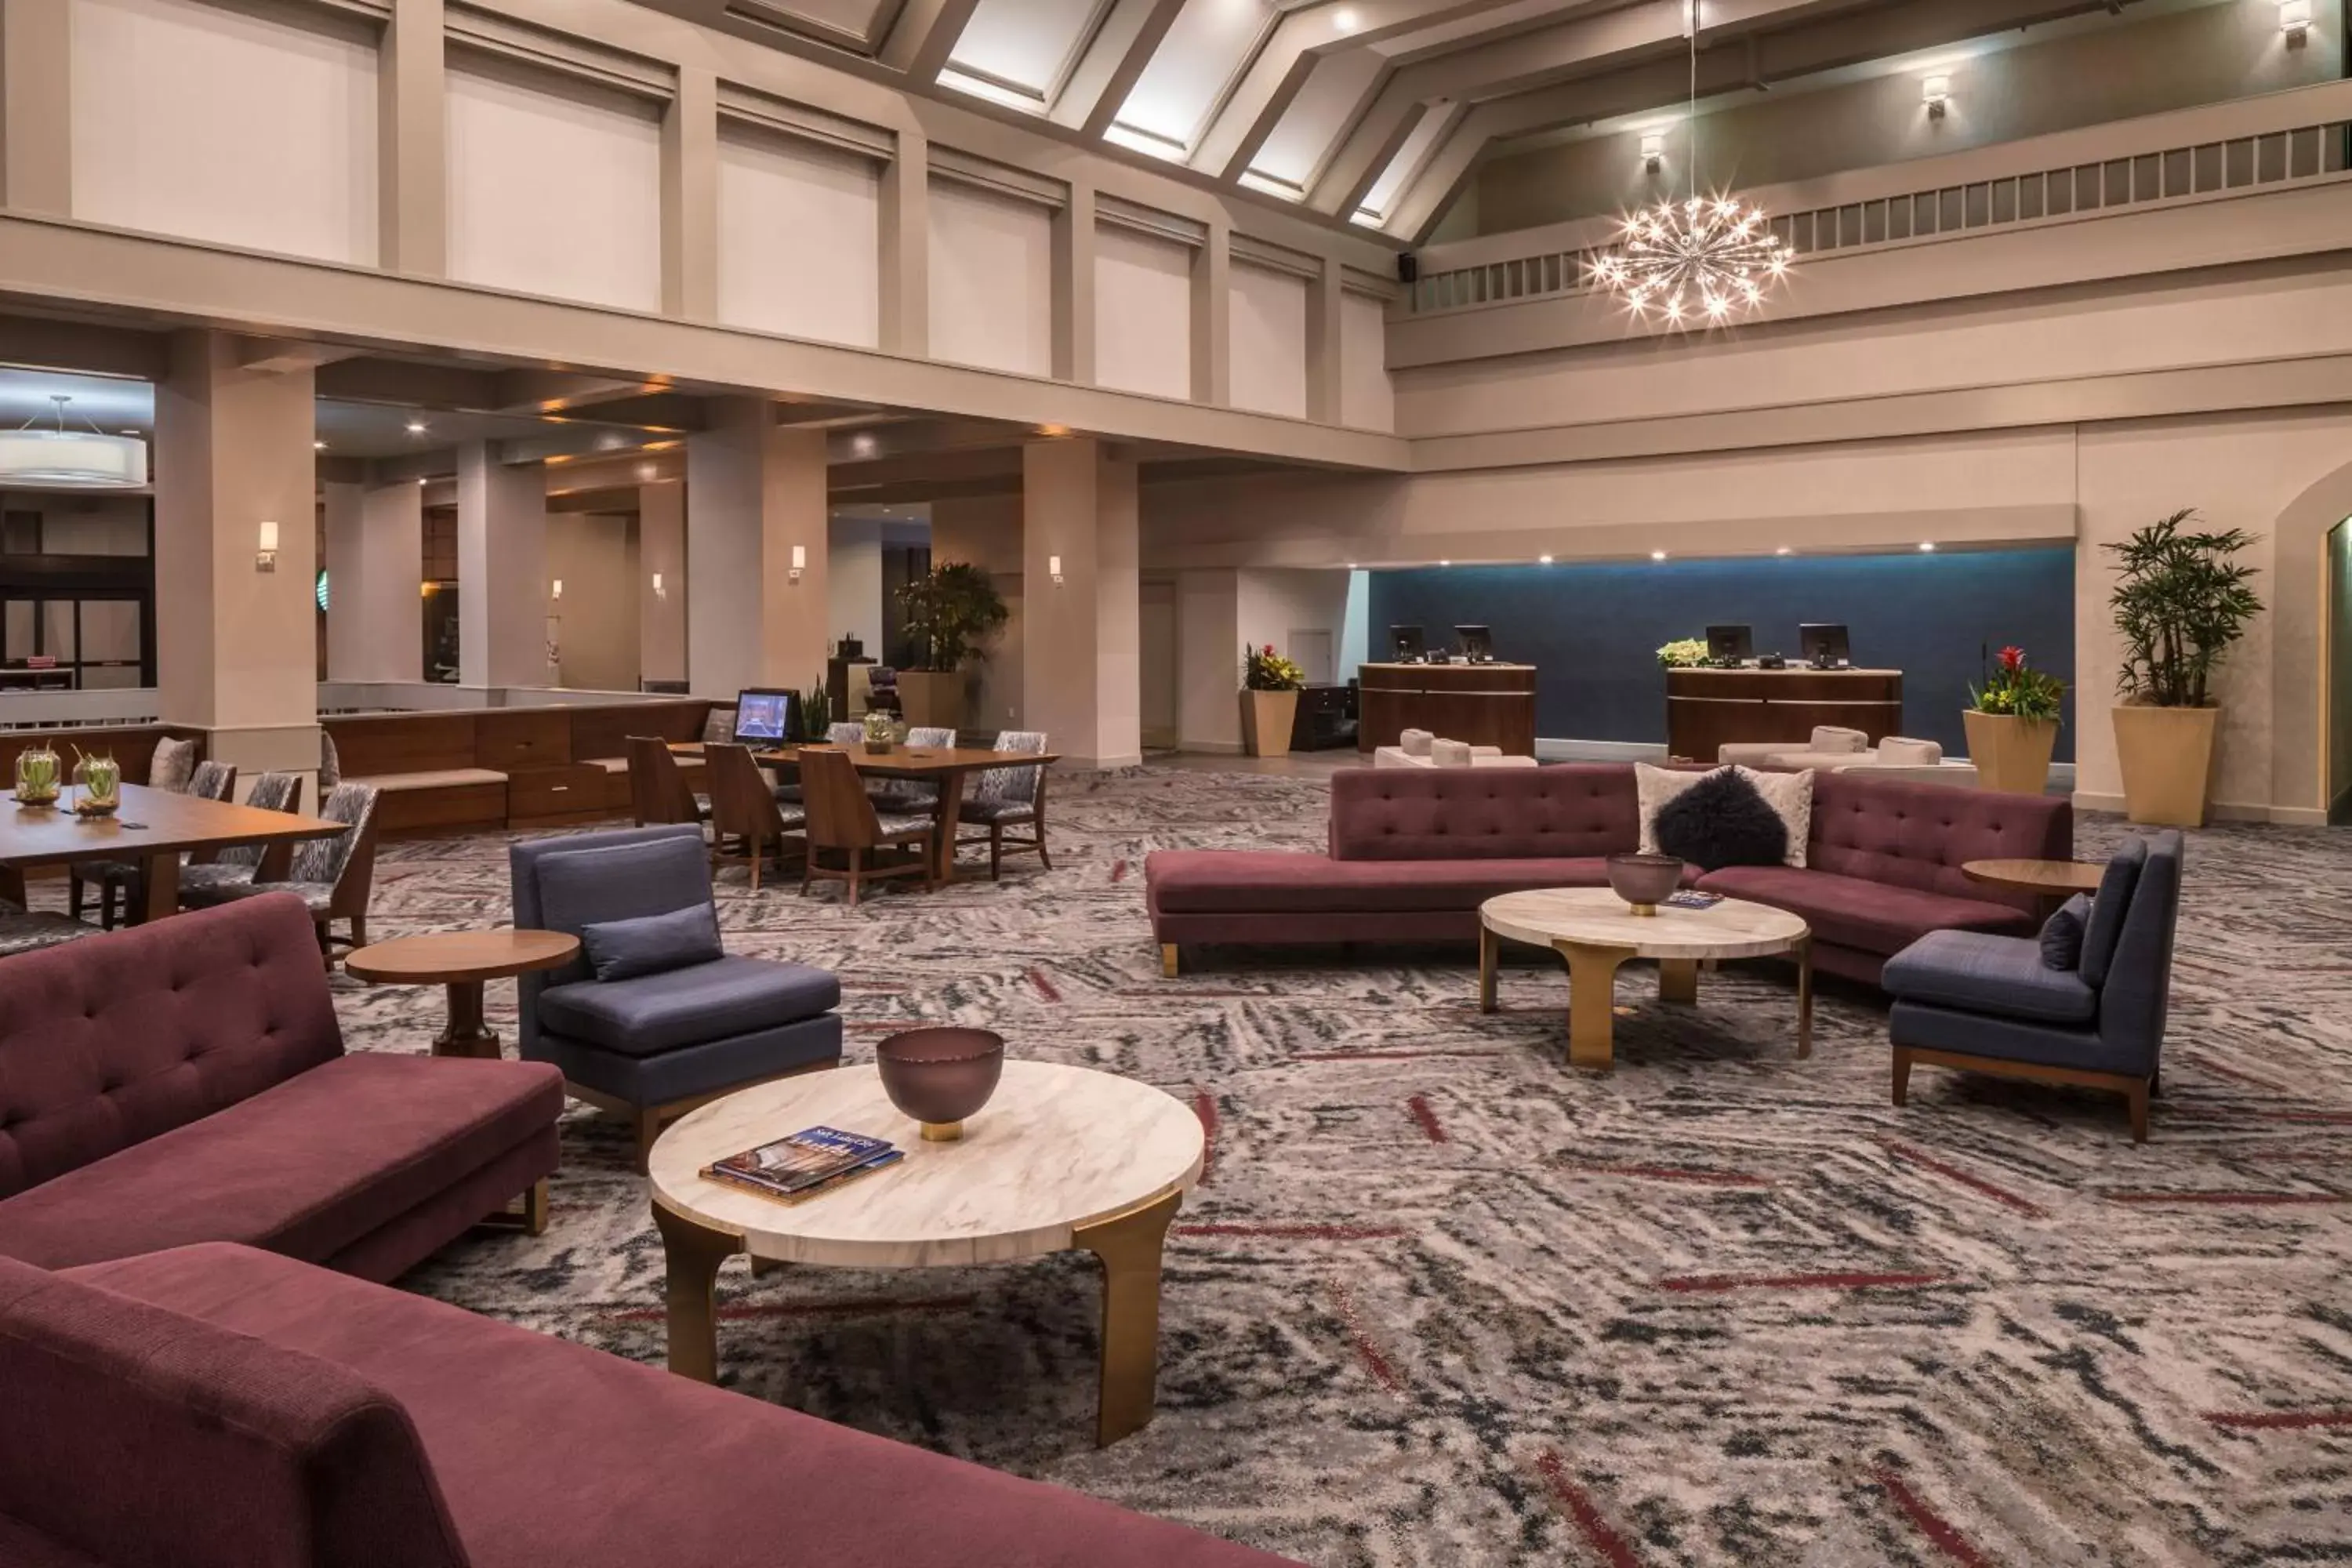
pixel 36 775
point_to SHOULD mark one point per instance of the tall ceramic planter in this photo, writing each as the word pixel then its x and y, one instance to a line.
pixel 2011 755
pixel 1267 719
pixel 2168 761
pixel 932 698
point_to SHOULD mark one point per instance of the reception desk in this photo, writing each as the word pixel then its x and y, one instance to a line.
pixel 1707 708
pixel 1483 704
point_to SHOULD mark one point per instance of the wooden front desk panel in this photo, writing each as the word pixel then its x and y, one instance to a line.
pixel 1707 708
pixel 1483 704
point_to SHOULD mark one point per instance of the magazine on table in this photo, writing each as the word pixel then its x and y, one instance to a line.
pixel 804 1164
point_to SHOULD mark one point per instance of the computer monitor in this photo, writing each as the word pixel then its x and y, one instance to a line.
pixel 764 713
pixel 1730 645
pixel 1823 644
pixel 1476 643
pixel 1406 645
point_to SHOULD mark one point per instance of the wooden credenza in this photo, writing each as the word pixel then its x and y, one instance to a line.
pixel 1483 704
pixel 1709 708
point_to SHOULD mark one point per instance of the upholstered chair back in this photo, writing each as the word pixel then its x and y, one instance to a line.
pixel 840 816
pixel 845 734
pixel 2134 1002
pixel 1013 786
pixel 110 1041
pixel 348 860
pixel 658 791
pixel 569 882
pixel 214 781
pixel 229 1452
pixel 931 736
pixel 271 792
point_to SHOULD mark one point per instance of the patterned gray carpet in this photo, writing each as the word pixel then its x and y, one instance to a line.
pixel 1441 1301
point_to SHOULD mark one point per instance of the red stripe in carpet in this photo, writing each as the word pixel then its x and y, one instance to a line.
pixel 1118 870
pixel 1045 986
pixel 1669 1174
pixel 1694 1282
pixel 1367 1351
pixel 856 1309
pixel 1299 1232
pixel 1418 1106
pixel 1598 1532
pixel 1931 1524
pixel 1204 1106
pixel 2239 1200
pixel 2275 1420
pixel 1928 1162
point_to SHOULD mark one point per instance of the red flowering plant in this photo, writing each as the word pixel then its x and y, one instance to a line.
pixel 1269 671
pixel 2017 690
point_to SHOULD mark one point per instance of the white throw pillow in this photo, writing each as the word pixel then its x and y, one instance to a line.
pixel 1450 753
pixel 1832 738
pixel 174 765
pixel 1416 743
pixel 1899 751
pixel 1789 794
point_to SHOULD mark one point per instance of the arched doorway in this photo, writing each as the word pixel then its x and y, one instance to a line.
pixel 2339 672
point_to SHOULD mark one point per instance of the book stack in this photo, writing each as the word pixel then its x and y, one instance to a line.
pixel 807 1165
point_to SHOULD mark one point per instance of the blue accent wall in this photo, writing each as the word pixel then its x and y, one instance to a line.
pixel 1593 629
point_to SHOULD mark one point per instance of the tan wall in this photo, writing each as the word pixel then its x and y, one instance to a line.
pixel 596 559
pixel 2202 55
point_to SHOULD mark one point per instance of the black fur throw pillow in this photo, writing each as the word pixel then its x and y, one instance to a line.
pixel 1723 821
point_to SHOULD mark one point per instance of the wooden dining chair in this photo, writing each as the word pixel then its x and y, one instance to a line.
pixel 744 811
pixel 658 791
pixel 841 819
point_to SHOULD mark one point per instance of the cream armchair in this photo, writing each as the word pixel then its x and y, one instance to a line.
pixel 1419 749
pixel 1833 750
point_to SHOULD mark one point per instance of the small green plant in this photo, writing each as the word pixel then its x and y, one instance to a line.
pixel 2179 602
pixel 1266 671
pixel 816 713
pixel 950 611
pixel 2017 690
pixel 1682 653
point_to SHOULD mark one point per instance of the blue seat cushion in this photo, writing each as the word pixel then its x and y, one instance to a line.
pixel 1978 973
pixel 690 1007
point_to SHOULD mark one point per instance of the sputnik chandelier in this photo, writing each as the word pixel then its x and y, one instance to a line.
pixel 1698 258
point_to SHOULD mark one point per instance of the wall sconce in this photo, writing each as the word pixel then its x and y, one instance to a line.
pixel 1936 91
pixel 1053 569
pixel 2294 21
pixel 556 590
pixel 265 557
pixel 659 592
pixel 800 562
pixel 1654 151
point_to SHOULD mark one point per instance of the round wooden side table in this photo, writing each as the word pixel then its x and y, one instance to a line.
pixel 2052 882
pixel 464 961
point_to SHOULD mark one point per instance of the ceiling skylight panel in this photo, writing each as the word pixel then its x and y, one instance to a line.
pixel 1317 118
pixel 1197 64
pixel 1022 51
pixel 1380 200
pixel 853 22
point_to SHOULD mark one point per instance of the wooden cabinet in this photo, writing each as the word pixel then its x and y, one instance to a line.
pixel 547 797
pixel 1481 704
pixel 1709 709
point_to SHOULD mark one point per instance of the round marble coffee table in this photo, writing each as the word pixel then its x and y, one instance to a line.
pixel 1596 931
pixel 1061 1159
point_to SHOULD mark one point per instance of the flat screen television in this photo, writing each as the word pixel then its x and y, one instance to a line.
pixel 1823 644
pixel 1406 646
pixel 1476 644
pixel 1728 645
pixel 764 713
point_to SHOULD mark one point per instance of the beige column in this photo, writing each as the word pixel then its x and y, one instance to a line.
pixel 755 503
pixel 661 581
pixel 905 292
pixel 375 621
pixel 1325 376
pixel 690 197
pixel 36 105
pixel 1081 676
pixel 236 646
pixel 1073 286
pixel 412 137
pixel 1212 315
pixel 503 589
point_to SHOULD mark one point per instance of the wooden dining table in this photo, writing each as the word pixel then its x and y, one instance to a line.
pixel 151 827
pixel 947 766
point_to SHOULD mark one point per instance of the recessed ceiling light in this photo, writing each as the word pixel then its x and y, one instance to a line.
pixel 646 471
pixel 133 432
pixel 1657 555
pixel 423 479
pixel 317 446
pixel 1445 564
pixel 1345 20
pixel 1543 560
pixel 1783 550
pixel 416 427
pixel 1928 545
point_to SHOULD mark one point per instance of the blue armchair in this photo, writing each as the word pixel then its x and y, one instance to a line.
pixel 1988 1003
pixel 652 1047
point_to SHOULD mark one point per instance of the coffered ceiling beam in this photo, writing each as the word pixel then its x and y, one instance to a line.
pixel 924 35
pixel 37 343
pixel 1113 63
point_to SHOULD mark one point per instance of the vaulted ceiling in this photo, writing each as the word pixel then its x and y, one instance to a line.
pixel 1370 112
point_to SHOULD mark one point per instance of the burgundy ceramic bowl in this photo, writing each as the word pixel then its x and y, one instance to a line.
pixel 1645 881
pixel 940 1076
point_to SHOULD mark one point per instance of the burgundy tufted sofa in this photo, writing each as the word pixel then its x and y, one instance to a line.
pixel 185 1081
pixel 214 1407
pixel 1414 852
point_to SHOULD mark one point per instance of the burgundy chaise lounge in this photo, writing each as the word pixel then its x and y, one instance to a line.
pixel 1414 852
pixel 215 1407
pixel 185 1081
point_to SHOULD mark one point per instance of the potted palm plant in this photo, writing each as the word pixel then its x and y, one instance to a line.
pixel 950 610
pixel 2180 601
pixel 1270 686
pixel 2012 724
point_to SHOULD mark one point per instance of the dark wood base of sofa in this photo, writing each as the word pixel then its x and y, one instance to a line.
pixel 2134 1089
